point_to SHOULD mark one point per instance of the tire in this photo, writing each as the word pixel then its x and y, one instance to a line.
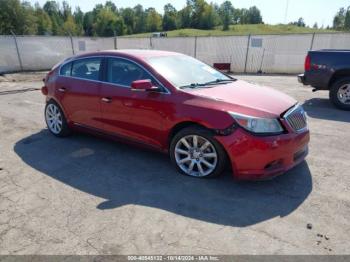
pixel 338 89
pixel 55 120
pixel 196 161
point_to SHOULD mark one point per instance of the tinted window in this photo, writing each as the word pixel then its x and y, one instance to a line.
pixel 124 72
pixel 88 68
pixel 66 69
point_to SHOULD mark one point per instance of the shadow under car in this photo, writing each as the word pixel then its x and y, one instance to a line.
pixel 123 174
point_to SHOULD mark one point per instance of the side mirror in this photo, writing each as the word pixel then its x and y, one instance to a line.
pixel 143 85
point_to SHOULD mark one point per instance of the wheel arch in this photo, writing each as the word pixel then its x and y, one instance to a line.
pixel 181 125
pixel 339 74
pixel 52 99
pixel 220 147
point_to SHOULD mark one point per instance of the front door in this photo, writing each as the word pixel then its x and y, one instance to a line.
pixel 135 115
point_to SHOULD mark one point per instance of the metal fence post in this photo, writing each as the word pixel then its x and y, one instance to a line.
pixel 262 61
pixel 195 47
pixel 150 42
pixel 72 44
pixel 115 40
pixel 17 49
pixel 247 53
pixel 312 41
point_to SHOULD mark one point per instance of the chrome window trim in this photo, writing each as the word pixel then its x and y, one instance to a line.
pixel 166 90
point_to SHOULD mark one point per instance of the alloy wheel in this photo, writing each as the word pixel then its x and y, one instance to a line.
pixel 196 156
pixel 54 118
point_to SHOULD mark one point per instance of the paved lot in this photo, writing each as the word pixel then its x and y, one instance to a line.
pixel 86 195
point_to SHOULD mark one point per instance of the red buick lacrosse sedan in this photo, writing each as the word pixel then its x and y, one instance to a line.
pixel 176 104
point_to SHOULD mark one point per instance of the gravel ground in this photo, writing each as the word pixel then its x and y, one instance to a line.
pixel 87 195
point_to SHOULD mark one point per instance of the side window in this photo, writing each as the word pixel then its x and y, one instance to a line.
pixel 66 69
pixel 88 68
pixel 124 72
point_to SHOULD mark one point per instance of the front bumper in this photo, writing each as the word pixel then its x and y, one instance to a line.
pixel 257 158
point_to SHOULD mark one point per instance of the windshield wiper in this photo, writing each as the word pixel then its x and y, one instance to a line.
pixel 217 81
pixel 193 85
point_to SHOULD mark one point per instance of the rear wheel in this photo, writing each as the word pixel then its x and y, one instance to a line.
pixel 55 120
pixel 340 94
pixel 196 153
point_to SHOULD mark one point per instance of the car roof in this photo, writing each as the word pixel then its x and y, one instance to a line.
pixel 135 53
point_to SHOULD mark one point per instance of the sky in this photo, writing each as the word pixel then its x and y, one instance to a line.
pixel 273 11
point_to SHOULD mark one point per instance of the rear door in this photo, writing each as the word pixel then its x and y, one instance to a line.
pixel 78 91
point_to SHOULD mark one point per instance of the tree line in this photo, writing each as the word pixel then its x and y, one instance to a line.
pixel 341 20
pixel 55 18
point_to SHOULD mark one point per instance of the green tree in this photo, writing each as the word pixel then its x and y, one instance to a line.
pixel 44 23
pixel 110 5
pixel 184 17
pixel 226 11
pixel 208 18
pixel 347 19
pixel 51 7
pixel 315 26
pixel 299 23
pixel 79 20
pixel 107 23
pixel 237 15
pixel 53 10
pixel 169 17
pixel 88 23
pixel 70 27
pixel 254 15
pixel 17 17
pixel 339 19
pixel 248 16
pixel 140 19
pixel 66 11
pixel 129 19
pixel 29 24
pixel 243 16
pixel 197 11
pixel 11 16
pixel 153 20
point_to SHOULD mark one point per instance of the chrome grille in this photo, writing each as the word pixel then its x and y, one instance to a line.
pixel 296 118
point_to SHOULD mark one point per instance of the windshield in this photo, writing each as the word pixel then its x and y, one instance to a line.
pixel 185 71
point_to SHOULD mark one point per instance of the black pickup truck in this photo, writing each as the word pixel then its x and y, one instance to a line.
pixel 329 70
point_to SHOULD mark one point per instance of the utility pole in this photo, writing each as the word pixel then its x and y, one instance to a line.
pixel 286 14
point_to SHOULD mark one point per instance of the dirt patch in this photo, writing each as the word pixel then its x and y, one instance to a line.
pixel 21 77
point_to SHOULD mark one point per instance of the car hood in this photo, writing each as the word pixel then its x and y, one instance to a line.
pixel 245 98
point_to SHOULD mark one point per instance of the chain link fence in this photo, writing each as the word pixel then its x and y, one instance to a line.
pixel 245 54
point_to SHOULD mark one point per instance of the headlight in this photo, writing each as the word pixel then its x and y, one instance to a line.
pixel 258 125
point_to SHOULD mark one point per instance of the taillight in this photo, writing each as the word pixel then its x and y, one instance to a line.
pixel 308 63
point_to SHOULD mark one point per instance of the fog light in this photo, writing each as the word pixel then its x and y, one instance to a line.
pixel 274 164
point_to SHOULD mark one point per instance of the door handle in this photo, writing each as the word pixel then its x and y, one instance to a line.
pixel 106 99
pixel 62 89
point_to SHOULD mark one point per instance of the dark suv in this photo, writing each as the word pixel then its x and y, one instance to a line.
pixel 329 70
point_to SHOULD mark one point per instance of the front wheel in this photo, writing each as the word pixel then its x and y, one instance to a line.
pixel 55 120
pixel 196 153
pixel 340 94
